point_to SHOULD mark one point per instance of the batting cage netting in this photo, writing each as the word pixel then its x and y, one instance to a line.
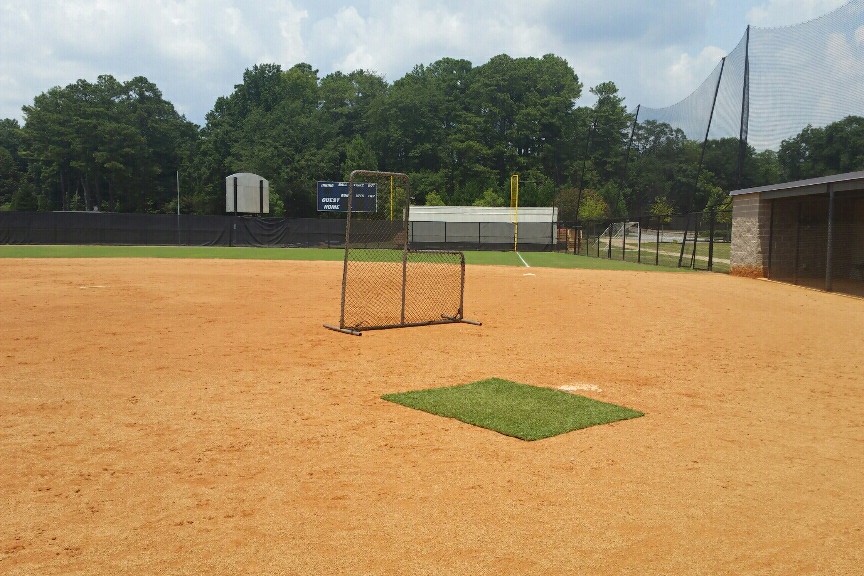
pixel 776 82
pixel 386 284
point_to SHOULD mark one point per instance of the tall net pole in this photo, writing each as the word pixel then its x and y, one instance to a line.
pixel 745 111
pixel 699 168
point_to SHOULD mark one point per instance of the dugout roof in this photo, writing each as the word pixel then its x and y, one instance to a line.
pixel 838 182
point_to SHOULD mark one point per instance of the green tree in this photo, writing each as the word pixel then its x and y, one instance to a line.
pixel 593 206
pixel 270 125
pixel 9 177
pixel 613 197
pixel 13 166
pixel 662 163
pixel 524 107
pixel 611 132
pixel 359 156
pixel 10 140
pixel 24 199
pixel 715 198
pixel 844 145
pixel 111 144
pixel 721 159
pixel 456 129
pixel 662 209
pixel 433 199
pixel 566 200
pixel 489 198
pixel 815 152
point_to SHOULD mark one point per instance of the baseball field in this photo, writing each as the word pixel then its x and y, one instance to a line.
pixel 192 416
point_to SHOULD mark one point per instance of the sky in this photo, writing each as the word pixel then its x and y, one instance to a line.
pixel 197 50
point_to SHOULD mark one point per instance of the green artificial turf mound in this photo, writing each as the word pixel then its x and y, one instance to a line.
pixel 513 409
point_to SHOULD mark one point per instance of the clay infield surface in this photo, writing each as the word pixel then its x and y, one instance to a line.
pixel 194 417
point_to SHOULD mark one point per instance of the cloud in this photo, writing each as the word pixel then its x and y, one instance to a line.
pixel 197 50
pixel 775 13
pixel 194 51
pixel 661 22
pixel 812 73
pixel 627 42
pixel 342 36
pixel 682 70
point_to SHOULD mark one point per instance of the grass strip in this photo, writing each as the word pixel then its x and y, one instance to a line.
pixel 480 257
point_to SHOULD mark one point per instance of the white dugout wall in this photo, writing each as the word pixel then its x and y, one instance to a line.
pixel 482 225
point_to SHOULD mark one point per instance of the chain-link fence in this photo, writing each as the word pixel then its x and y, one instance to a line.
pixel 700 240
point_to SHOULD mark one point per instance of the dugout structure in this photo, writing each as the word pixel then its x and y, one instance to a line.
pixel 386 284
pixel 807 232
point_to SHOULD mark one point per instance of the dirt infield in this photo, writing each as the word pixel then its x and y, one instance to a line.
pixel 194 417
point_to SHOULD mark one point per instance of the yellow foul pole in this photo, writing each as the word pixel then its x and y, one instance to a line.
pixel 514 204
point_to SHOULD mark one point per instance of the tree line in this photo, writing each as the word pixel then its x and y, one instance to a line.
pixel 460 131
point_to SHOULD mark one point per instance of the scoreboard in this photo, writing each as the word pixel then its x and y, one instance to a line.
pixel 333 197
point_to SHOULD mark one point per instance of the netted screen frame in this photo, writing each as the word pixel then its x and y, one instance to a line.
pixel 406 287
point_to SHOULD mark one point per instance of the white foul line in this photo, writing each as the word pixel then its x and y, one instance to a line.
pixel 523 260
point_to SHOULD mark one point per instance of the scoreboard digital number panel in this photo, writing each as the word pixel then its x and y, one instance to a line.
pixel 333 197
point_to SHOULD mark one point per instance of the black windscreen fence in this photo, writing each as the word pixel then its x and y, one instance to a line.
pixel 166 230
pixel 190 230
pixel 817 243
